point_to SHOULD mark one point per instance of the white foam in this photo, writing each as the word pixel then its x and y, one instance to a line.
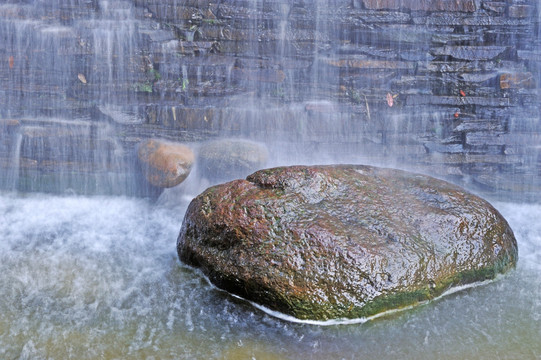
pixel 345 321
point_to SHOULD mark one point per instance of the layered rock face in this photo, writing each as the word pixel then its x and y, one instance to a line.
pixel 329 242
pixel 446 87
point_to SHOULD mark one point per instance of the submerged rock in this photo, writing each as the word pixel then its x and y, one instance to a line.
pixel 328 242
pixel 165 164
pixel 230 158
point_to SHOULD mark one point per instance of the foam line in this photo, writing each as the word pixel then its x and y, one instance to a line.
pixel 346 321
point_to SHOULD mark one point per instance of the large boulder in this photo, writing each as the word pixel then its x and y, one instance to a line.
pixel 346 241
pixel 165 164
pixel 228 159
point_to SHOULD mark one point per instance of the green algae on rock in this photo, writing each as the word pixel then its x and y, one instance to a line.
pixel 345 241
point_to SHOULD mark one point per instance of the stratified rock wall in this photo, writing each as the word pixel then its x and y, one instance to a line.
pixel 448 87
pixel 445 87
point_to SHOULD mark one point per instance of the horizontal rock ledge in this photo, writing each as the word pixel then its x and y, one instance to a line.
pixel 422 5
pixel 329 242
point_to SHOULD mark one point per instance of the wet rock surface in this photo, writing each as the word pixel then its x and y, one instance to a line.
pixel 423 5
pixel 328 242
pixel 230 158
pixel 165 164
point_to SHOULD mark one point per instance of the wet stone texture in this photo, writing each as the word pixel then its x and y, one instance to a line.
pixel 165 164
pixel 422 5
pixel 230 158
pixel 327 242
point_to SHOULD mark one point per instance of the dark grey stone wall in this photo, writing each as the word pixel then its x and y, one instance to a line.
pixel 450 88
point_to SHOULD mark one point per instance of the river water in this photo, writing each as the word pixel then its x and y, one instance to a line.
pixel 98 277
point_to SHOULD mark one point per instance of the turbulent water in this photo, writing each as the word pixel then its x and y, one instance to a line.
pixel 88 278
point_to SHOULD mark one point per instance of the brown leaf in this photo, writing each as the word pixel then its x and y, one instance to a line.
pixel 11 62
pixel 82 78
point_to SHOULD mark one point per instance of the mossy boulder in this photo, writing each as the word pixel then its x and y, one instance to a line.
pixel 327 242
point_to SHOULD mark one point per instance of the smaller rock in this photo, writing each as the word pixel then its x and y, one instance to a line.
pixel 230 158
pixel 165 164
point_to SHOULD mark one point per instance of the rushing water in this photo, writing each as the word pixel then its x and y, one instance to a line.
pixel 87 278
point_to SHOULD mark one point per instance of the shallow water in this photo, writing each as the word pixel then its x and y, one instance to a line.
pixel 87 278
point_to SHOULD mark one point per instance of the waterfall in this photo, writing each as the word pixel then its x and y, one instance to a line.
pixel 448 90
pixel 12 179
pixel 70 64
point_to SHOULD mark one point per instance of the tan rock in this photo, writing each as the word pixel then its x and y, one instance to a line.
pixel 165 164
